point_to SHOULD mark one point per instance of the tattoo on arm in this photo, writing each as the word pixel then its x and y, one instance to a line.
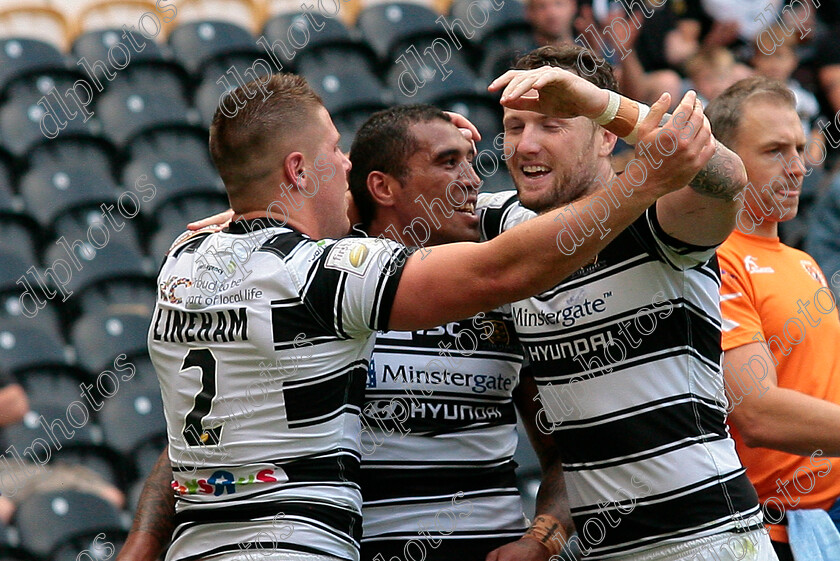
pixel 723 177
pixel 156 509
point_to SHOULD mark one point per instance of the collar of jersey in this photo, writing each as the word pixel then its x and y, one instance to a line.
pixel 251 224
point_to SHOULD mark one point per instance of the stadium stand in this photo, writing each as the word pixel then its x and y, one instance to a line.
pixel 195 43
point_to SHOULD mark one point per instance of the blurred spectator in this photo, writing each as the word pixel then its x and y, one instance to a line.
pixel 552 20
pixel 823 238
pixel 711 71
pixel 739 22
pixel 19 480
pixel 780 65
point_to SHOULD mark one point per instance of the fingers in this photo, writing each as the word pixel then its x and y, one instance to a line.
pixel 467 128
pixel 655 115
pixel 221 220
pixel 503 80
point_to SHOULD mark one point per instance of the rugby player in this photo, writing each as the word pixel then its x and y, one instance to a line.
pixel 625 351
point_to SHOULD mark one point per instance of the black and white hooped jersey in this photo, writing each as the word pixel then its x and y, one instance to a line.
pixel 626 354
pixel 439 434
pixel 261 339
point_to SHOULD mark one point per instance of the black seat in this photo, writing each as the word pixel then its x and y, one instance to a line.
pixel 218 78
pixel 195 43
pixel 482 18
pixel 125 113
pixel 28 117
pixel 484 112
pixel 387 27
pixel 502 49
pixel 92 153
pixel 173 175
pixel 67 424
pixel 312 31
pixel 428 84
pixel 99 337
pixel 173 217
pixel 186 141
pixel 51 386
pixel 21 56
pixel 135 295
pixel 95 46
pixel 53 189
pixel 29 342
pixel 132 417
pixel 343 86
pixel 48 520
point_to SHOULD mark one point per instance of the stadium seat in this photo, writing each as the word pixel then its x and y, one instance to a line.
pixel 37 22
pixel 134 295
pixel 343 87
pixel 51 386
pixel 69 425
pixel 91 153
pixel 195 43
pixel 17 239
pixel 30 109
pixel 247 14
pixel 67 515
pixel 481 18
pixel 98 547
pixel 100 459
pixel 52 190
pixel 92 15
pixel 301 33
pixel 132 417
pixel 15 265
pixel 172 219
pixel 432 87
pixel 218 77
pixel 152 78
pixel 187 141
pixel 27 343
pixel 22 56
pixel 484 112
pixel 348 123
pixel 173 176
pixel 502 49
pixel 390 27
pixel 100 46
pixel 125 113
pixel 147 454
pixel 99 337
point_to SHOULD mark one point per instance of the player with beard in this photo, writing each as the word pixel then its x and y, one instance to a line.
pixel 626 351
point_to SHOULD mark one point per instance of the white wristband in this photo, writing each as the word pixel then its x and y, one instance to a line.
pixel 633 137
pixel 611 111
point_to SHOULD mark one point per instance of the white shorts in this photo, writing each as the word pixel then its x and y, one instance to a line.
pixel 726 546
pixel 270 555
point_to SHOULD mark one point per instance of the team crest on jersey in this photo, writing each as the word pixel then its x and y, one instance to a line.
pixel 814 271
pixel 500 334
pixel 167 289
pixel 350 256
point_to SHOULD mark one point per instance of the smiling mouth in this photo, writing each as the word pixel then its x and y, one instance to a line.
pixel 466 208
pixel 535 170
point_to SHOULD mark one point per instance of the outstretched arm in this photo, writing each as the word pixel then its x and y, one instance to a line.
pixel 154 520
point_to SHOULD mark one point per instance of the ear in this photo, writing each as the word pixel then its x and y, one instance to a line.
pixel 607 143
pixel 294 166
pixel 382 188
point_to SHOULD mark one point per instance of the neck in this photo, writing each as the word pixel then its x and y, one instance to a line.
pixel 766 229
pixel 296 223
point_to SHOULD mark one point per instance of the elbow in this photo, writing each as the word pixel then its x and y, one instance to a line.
pixel 755 430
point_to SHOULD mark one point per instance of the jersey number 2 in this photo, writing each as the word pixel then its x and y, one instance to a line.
pixel 194 434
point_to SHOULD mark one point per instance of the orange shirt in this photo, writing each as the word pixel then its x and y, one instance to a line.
pixel 775 293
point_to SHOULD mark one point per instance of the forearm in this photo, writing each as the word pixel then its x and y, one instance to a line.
pixel 467 278
pixel 790 421
pixel 552 498
pixel 724 177
pixel 154 519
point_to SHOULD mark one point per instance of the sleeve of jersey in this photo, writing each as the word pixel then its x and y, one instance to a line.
pixel 361 277
pixel 741 320
pixel 498 212
pixel 678 254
